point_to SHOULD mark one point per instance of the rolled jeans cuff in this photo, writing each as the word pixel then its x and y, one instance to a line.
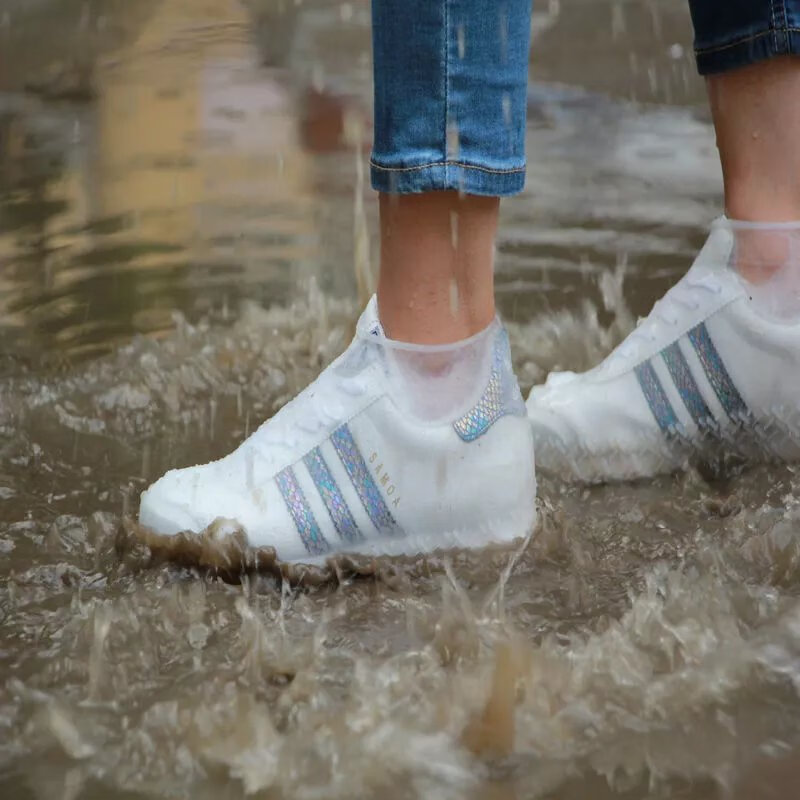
pixel 448 175
pixel 735 33
pixel 451 81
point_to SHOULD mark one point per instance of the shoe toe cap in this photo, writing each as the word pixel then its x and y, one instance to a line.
pixel 558 379
pixel 168 506
pixel 596 431
pixel 192 499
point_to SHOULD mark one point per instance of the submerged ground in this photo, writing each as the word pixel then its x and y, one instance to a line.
pixel 181 250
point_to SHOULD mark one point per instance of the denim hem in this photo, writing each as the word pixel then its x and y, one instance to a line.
pixel 448 175
pixel 748 50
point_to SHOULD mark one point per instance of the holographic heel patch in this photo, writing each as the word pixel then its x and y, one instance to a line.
pixel 500 398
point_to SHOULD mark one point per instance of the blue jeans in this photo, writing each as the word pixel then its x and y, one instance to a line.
pixel 451 83
pixel 733 33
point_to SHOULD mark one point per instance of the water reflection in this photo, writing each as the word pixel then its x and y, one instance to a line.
pixel 208 162
pixel 186 184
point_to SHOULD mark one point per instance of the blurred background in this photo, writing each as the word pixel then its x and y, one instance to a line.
pixel 164 155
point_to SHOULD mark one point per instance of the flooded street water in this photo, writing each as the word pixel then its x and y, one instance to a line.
pixel 182 248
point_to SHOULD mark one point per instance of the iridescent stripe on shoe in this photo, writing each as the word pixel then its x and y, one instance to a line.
pixel 332 496
pixel 657 398
pixel 368 491
pixel 482 416
pixel 301 512
pixel 717 375
pixel 500 398
pixel 687 387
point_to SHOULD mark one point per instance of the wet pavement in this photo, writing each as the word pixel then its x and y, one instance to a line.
pixel 182 248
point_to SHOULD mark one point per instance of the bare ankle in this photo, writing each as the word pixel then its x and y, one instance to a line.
pixel 437 266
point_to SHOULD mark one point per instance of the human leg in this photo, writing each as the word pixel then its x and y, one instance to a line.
pixel 753 80
pixel 756 111
pixel 449 142
pixel 416 437
pixel 715 365
pixel 437 265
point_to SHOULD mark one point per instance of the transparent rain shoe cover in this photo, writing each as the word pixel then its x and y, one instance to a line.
pixel 713 371
pixel 766 256
pixel 437 383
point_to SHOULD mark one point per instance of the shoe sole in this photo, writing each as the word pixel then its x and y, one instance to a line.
pixel 231 555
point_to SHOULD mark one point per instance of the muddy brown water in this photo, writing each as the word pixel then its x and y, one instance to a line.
pixel 180 251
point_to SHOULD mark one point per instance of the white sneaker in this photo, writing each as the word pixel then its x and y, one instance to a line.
pixel 706 374
pixel 346 468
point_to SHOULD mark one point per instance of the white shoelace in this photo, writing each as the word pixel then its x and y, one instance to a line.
pixel 330 409
pixel 685 295
pixel 319 406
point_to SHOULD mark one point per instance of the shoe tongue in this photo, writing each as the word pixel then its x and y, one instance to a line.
pixel 369 324
pixel 716 253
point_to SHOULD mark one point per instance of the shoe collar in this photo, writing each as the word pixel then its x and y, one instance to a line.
pixel 370 329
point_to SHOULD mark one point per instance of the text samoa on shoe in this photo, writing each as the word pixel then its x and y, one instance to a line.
pixel 384 480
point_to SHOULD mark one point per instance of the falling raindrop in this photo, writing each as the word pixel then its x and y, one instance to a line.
pixel 146 460
pixel 686 79
pixel 676 51
pixel 618 24
pixel 97 659
pixel 503 33
pixel 652 77
pixel 365 280
pixel 655 15
pixel 454 297
pixel 453 142
pixel 318 77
